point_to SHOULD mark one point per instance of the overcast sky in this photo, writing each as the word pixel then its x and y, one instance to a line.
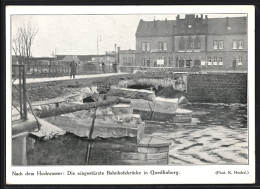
pixel 78 34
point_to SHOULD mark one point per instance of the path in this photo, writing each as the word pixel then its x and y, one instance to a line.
pixel 47 79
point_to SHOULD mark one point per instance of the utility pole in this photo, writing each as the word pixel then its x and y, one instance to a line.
pixel 98 39
pixel 115 66
pixel 115 52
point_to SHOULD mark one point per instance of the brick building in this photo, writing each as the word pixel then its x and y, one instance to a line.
pixel 193 40
pixel 127 57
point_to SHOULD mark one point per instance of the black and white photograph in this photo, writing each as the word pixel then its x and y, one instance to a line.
pixel 121 92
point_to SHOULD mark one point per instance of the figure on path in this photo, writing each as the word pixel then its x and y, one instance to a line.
pixel 73 69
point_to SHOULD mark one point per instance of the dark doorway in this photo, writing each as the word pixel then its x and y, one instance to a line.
pixel 188 63
pixel 181 63
pixel 148 62
pixel 196 62
pixel 234 64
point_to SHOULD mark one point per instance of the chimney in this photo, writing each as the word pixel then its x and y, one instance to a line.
pixel 178 17
pixel 201 16
pixel 206 19
pixel 197 16
pixel 166 20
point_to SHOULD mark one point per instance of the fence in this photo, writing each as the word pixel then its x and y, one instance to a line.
pixel 36 71
pixel 19 92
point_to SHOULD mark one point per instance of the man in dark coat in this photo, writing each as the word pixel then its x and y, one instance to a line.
pixel 73 69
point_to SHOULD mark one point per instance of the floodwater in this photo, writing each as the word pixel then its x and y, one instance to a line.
pixel 218 134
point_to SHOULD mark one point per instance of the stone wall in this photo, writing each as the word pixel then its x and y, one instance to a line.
pixel 224 88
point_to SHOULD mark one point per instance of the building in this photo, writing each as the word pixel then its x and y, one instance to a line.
pixel 126 57
pixel 194 40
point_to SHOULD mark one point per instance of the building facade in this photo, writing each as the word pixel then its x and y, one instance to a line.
pixel 126 57
pixel 194 40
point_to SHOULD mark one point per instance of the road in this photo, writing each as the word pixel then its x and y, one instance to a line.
pixel 47 79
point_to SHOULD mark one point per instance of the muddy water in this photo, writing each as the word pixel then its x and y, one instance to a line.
pixel 217 135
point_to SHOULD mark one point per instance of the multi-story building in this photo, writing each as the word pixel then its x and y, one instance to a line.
pixel 193 40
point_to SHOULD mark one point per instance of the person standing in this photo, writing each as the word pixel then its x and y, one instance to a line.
pixel 73 69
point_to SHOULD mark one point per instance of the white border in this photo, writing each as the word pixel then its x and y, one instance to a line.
pixel 188 174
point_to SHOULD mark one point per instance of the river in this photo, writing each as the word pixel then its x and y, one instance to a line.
pixel 218 134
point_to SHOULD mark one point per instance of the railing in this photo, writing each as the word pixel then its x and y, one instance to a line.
pixel 39 71
pixel 19 92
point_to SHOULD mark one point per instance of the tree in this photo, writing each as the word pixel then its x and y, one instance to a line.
pixel 22 42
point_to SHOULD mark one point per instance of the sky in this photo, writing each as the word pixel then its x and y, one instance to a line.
pixel 79 34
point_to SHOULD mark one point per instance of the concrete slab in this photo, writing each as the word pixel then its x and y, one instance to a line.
pixel 132 93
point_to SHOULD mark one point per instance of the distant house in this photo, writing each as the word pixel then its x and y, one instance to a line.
pixel 127 57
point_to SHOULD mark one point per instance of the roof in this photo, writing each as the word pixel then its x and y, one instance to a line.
pixel 215 26
pixel 127 51
pixel 69 58
pixel 219 25
pixel 155 28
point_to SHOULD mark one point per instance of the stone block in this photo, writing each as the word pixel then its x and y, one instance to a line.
pixel 132 93
pixel 184 112
pixel 165 105
pixel 133 156
pixel 103 128
pixel 152 150
pixel 19 152
pixel 182 100
pixel 120 109
pixel 157 156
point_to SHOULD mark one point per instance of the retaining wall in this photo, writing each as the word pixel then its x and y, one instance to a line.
pixel 225 88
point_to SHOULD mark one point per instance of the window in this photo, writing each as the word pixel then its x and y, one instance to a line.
pixel 146 46
pixel 170 61
pixel 189 46
pixel 221 45
pixel 215 62
pixel 124 60
pixel 165 61
pixel 181 63
pixel 143 46
pixel 215 45
pixel 130 60
pixel 220 61
pixel 234 45
pixel 177 62
pixel 240 60
pixel 164 46
pixel 209 61
pixel 143 61
pixel 241 44
pixel 188 63
pixel 160 46
pixel 182 44
pixel 197 43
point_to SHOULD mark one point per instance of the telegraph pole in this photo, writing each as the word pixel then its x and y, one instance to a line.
pixel 98 37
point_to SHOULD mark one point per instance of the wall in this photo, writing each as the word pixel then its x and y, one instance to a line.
pixel 154 42
pixel 221 88
pixel 153 58
pixel 127 55
pixel 228 40
pixel 202 41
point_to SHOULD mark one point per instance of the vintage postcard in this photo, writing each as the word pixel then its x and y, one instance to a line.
pixel 130 95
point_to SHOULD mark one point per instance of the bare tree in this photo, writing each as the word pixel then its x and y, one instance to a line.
pixel 22 42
